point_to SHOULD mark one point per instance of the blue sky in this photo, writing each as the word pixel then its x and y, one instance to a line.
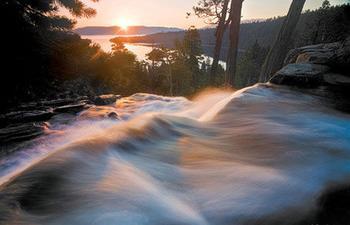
pixel 173 12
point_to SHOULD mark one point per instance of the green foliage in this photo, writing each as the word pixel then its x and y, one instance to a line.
pixel 324 25
pixel 121 71
pixel 157 55
pixel 44 57
pixel 182 70
pixel 326 4
pixel 337 27
pixel 210 10
pixel 191 46
pixel 249 65
pixel 52 59
pixel 118 45
pixel 39 47
pixel 183 64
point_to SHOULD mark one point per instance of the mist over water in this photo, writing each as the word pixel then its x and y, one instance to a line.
pixel 262 155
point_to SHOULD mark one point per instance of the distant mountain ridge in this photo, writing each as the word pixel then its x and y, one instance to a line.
pixel 116 30
pixel 264 32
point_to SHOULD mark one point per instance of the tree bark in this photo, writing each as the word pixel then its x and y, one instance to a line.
pixel 220 31
pixel 235 21
pixel 279 50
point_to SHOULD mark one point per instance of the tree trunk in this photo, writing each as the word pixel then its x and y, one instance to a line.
pixel 235 18
pixel 279 50
pixel 220 31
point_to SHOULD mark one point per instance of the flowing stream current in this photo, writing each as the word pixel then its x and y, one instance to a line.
pixel 261 155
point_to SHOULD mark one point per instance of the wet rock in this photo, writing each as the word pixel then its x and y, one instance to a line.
pixel 315 57
pixel 106 99
pixel 339 86
pixel 337 80
pixel 71 108
pixel 113 115
pixel 25 116
pixel 28 120
pixel 62 102
pixel 294 53
pixel 22 132
pixel 56 102
pixel 62 119
pixel 300 75
pixel 100 112
pixel 335 54
pixel 29 106
pixel 45 105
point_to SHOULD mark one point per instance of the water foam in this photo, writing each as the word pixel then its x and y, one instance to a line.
pixel 262 155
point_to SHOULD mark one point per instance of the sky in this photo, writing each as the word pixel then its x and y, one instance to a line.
pixel 172 13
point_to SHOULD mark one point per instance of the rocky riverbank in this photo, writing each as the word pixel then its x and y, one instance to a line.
pixel 322 69
pixel 33 119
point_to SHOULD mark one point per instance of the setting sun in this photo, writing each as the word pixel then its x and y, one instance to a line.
pixel 124 23
pixel 192 112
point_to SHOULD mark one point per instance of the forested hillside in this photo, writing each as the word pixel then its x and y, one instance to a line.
pixel 328 24
pixel 115 30
pixel 46 59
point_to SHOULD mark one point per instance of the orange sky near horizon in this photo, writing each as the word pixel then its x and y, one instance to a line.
pixel 172 13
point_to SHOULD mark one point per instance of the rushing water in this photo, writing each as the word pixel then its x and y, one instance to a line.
pixel 263 155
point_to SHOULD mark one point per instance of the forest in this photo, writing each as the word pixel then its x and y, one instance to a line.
pixel 45 59
pixel 323 25
pixel 94 137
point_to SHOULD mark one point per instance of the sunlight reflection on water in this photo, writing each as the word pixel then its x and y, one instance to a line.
pixel 262 154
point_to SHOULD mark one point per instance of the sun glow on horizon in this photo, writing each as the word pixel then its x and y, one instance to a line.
pixel 124 23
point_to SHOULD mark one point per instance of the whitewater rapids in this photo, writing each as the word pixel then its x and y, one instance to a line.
pixel 262 155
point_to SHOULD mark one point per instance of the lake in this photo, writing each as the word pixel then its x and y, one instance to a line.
pixel 139 49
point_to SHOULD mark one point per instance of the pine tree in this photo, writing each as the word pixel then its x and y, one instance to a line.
pixel 216 12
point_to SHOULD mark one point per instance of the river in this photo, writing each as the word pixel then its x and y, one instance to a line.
pixel 261 155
